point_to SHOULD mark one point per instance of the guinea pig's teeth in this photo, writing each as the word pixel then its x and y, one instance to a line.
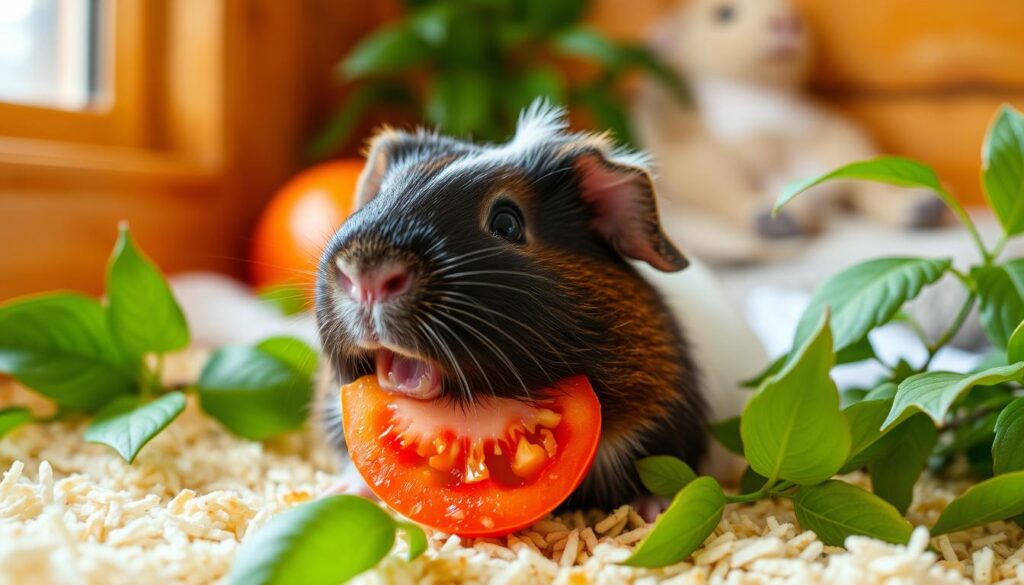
pixel 413 377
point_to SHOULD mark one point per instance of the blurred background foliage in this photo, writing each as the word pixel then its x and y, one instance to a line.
pixel 467 67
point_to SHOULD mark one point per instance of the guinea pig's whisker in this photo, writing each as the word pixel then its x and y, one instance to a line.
pixel 449 264
pixel 435 344
pixel 511 338
pixel 497 285
pixel 505 272
pixel 473 303
pixel 497 351
pixel 472 354
pixel 443 346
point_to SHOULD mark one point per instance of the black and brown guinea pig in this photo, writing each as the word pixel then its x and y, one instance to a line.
pixel 477 269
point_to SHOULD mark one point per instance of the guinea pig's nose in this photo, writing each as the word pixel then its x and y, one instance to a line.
pixel 375 285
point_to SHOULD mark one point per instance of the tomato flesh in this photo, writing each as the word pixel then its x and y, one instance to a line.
pixel 483 470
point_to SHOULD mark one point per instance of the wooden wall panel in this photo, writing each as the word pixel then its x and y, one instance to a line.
pixel 910 45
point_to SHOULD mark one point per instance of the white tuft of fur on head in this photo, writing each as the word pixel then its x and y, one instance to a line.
pixel 540 121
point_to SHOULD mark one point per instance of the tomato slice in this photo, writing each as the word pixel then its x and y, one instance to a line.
pixel 485 470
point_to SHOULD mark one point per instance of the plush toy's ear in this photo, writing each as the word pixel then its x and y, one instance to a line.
pixel 625 211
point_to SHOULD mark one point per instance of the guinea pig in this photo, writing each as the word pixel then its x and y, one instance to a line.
pixel 500 269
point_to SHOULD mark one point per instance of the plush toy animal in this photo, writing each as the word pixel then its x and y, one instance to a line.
pixel 751 129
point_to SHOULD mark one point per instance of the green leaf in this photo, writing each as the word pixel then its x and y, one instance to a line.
pixel 547 16
pixel 416 537
pixel 934 392
pixel 299 356
pixel 1008 446
pixel 255 393
pixel 866 296
pixel 851 396
pixel 998 498
pixel 865 421
pixel 141 310
pixel 886 390
pixel 12 418
pixel 324 542
pixel 1003 169
pixel 727 432
pixel 459 102
pixel 894 170
pixel 835 510
pixel 1015 346
pixel 584 41
pixel 432 22
pixel 344 121
pixel 1001 299
pixel 60 346
pixel 685 525
pixel 664 475
pixel 127 427
pixel 894 473
pixel 390 49
pixel 607 111
pixel 520 90
pixel 858 352
pixel 793 428
pixel 973 432
pixel 751 481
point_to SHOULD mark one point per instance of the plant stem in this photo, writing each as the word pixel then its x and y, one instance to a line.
pixel 965 219
pixel 998 249
pixel 152 380
pixel 764 492
pixel 965 310
pixel 918 330
pixel 781 487
pixel 745 498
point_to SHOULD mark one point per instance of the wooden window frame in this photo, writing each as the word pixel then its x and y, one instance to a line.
pixel 147 122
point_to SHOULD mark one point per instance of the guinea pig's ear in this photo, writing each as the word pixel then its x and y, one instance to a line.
pixel 378 158
pixel 389 148
pixel 626 213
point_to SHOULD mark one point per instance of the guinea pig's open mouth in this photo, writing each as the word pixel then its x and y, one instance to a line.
pixel 413 377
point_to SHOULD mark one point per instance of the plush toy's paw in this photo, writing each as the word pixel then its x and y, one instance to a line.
pixel 350 483
pixel 649 507
pixel 926 212
pixel 782 225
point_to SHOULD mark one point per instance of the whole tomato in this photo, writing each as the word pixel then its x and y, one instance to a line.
pixel 299 220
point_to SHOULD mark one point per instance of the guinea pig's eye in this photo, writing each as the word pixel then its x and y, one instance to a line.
pixel 725 13
pixel 507 222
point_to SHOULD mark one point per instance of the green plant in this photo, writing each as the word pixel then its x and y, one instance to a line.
pixel 106 358
pixel 469 66
pixel 796 434
pixel 327 541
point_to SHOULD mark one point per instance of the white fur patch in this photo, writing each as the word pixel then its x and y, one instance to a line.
pixel 540 121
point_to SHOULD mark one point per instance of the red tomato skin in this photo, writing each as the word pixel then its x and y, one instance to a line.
pixel 413 490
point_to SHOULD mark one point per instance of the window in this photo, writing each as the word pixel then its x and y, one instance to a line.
pixel 48 52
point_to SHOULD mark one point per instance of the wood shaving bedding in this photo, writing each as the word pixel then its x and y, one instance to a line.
pixel 75 513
